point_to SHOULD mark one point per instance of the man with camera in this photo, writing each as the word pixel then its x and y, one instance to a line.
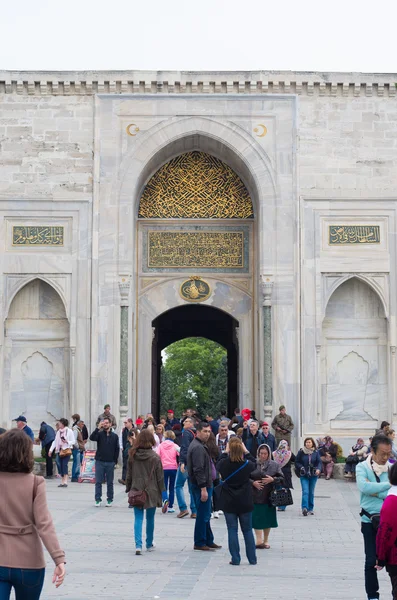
pixel 107 454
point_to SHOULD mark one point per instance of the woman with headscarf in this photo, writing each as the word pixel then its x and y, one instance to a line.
pixel 267 474
pixel 284 457
pixel 359 452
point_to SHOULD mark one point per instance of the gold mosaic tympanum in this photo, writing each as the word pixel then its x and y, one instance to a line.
pixel 195 185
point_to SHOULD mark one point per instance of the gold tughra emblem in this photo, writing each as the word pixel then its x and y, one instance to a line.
pixel 195 289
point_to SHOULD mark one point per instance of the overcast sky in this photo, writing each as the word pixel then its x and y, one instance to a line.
pixel 303 35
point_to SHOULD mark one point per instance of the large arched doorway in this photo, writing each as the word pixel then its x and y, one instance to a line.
pixel 196 223
pixel 196 321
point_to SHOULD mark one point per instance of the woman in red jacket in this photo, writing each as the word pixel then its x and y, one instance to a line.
pixel 386 539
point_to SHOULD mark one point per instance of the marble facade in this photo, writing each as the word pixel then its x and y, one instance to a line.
pixel 314 151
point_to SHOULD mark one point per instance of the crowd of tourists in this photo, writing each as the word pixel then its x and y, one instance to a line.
pixel 234 467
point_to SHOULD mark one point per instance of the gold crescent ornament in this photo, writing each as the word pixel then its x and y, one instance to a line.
pixel 129 129
pixel 259 132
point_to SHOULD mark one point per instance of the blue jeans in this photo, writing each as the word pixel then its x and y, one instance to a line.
pixel 203 535
pixel 138 524
pixel 245 520
pixel 308 484
pixel 169 483
pixel 27 583
pixel 76 463
pixel 101 469
pixel 180 496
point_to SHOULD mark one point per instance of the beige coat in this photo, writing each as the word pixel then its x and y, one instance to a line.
pixel 25 523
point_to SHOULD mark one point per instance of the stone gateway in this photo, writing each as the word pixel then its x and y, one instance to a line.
pixel 257 209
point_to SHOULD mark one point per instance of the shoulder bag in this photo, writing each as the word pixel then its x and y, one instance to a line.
pixel 220 488
pixel 139 498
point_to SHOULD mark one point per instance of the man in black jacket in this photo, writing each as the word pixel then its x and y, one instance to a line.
pixel 200 474
pixel 188 436
pixel 125 446
pixel 107 454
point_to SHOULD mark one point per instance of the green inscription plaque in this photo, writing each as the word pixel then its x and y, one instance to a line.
pixel 38 235
pixel 342 235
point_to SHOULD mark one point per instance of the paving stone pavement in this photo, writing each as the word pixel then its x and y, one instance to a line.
pixel 310 558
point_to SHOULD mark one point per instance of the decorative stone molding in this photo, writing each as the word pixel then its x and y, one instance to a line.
pixel 379 282
pixel 267 290
pixel 88 83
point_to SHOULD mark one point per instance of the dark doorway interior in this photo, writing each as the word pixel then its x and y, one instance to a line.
pixel 195 321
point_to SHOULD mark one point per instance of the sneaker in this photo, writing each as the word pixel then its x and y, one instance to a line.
pixel 152 547
pixel 216 514
pixel 304 512
pixel 310 512
pixel 164 508
pixel 138 551
pixel 183 513
pixel 109 503
pixel 193 516
pixel 121 481
pixel 98 502
pixel 220 512
pixel 171 510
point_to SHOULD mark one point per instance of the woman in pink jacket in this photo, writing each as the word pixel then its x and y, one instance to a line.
pixel 386 538
pixel 168 452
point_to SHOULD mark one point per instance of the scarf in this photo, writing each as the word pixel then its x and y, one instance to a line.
pixel 307 450
pixel 264 465
pixel 282 455
pixel 377 469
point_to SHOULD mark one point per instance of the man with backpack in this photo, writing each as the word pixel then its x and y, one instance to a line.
pixel 188 436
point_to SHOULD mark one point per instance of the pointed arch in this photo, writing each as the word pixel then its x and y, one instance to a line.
pixel 25 281
pixel 373 285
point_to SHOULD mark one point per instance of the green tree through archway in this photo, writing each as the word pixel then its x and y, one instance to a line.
pixel 194 374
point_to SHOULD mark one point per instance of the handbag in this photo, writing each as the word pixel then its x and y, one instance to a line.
pixel 375 518
pixel 65 452
pixel 138 498
pixel 280 496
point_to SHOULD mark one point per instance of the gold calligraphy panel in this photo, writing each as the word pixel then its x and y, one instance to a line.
pixel 342 235
pixel 178 249
pixel 37 235
pixel 195 185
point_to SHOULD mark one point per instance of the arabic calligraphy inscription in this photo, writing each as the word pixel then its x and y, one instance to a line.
pixel 220 249
pixel 342 235
pixel 38 235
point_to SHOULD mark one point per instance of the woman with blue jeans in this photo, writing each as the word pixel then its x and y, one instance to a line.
pixel 25 522
pixel 63 446
pixel 308 468
pixel 236 499
pixel 145 472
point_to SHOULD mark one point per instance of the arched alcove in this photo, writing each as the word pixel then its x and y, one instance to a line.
pixel 36 356
pixel 355 369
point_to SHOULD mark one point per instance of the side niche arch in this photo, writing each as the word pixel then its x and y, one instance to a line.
pixel 37 354
pixel 195 185
pixel 355 365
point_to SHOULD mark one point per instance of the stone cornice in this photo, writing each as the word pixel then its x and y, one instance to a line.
pixel 87 83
